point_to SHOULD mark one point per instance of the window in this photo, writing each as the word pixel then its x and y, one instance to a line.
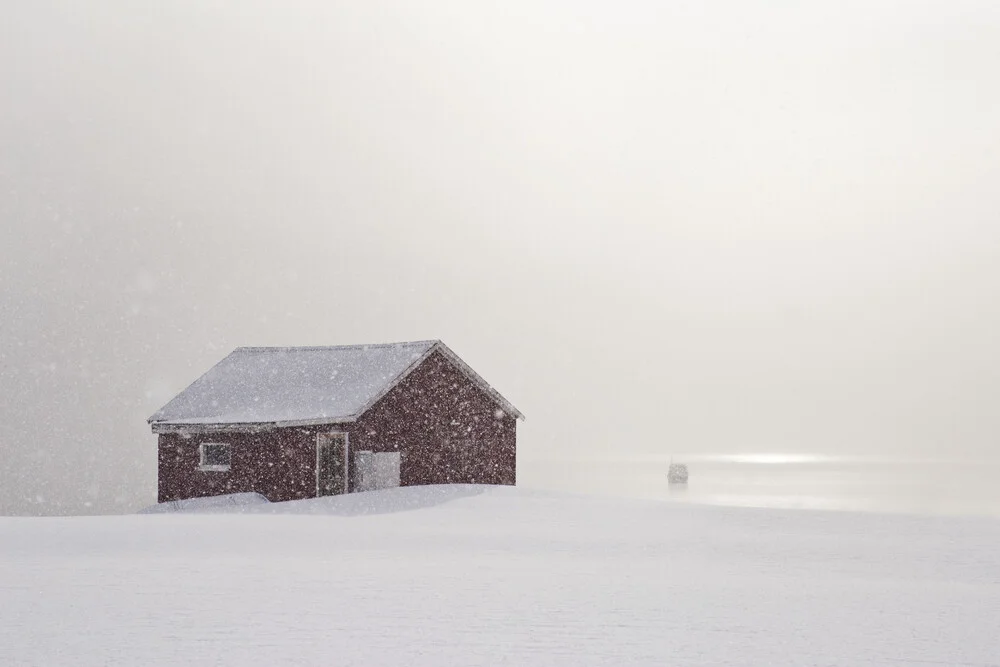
pixel 215 456
pixel 376 470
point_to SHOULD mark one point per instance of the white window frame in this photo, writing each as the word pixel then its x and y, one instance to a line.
pixel 204 467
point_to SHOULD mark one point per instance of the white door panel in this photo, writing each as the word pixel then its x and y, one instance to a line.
pixel 376 470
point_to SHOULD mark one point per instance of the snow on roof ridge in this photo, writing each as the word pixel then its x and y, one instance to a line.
pixel 306 348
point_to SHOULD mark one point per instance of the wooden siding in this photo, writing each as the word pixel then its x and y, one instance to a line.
pixel 448 429
pixel 278 464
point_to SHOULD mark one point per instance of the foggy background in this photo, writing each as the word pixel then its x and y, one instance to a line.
pixel 655 227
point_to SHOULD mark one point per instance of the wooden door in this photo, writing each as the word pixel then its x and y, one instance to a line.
pixel 331 464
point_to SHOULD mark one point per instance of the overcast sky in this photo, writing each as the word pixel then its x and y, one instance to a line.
pixel 705 226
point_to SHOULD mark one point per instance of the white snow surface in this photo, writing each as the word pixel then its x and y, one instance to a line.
pixel 209 503
pixel 473 575
pixel 278 384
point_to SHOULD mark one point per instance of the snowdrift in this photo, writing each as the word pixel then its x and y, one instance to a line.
pixel 386 501
pixel 210 503
pixel 472 575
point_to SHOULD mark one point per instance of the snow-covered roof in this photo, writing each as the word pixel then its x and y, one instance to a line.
pixel 297 386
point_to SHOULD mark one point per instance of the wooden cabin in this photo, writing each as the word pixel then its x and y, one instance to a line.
pixel 304 422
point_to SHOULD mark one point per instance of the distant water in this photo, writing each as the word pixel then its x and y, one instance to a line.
pixel 786 481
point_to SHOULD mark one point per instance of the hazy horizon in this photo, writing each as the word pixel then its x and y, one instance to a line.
pixel 705 227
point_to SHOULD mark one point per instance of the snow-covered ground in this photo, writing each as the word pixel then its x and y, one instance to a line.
pixel 469 575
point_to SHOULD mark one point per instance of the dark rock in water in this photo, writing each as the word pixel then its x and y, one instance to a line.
pixel 677 474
